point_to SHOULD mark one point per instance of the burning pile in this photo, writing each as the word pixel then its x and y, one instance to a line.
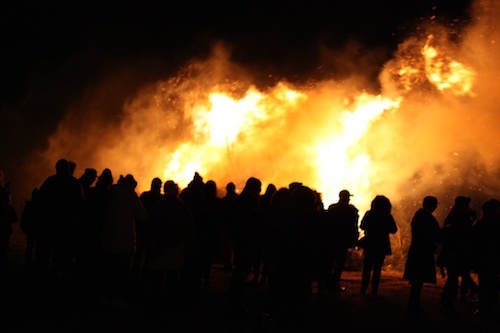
pixel 429 130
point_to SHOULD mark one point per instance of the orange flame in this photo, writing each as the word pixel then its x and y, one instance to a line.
pixel 329 135
pixel 446 73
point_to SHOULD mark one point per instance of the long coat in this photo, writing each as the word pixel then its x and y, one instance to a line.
pixel 421 263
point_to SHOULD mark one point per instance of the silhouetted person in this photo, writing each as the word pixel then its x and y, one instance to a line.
pixel 342 234
pixel 486 235
pixel 193 196
pixel 294 245
pixel 245 213
pixel 171 236
pixel 456 252
pixel 61 199
pixel 377 224
pixel 420 265
pixel 277 206
pixel 123 208
pixel 87 179
pixel 89 261
pixel 30 222
pixel 148 199
pixel 153 196
pixel 208 235
pixel 8 216
pixel 225 227
pixel 261 257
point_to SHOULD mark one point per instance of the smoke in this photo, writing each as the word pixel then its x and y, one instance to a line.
pixel 447 142
pixel 433 141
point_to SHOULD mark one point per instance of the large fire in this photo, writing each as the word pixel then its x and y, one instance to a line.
pixel 430 129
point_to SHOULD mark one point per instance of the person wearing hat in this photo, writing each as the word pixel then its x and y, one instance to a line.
pixel 341 234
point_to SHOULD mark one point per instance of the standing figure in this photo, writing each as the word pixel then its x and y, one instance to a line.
pixel 170 239
pixel 245 213
pixel 193 196
pixel 89 260
pixel 293 258
pixel 420 264
pixel 261 259
pixel 123 209
pixel 87 180
pixel 487 258
pixel 148 200
pixel 341 234
pixel 209 235
pixel 225 227
pixel 456 253
pixel 61 200
pixel 377 224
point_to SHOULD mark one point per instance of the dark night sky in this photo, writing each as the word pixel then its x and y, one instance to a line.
pixel 52 53
pixel 42 39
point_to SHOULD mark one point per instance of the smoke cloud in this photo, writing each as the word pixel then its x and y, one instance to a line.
pixel 430 141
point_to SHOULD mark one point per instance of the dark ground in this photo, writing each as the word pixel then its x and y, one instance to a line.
pixel 33 303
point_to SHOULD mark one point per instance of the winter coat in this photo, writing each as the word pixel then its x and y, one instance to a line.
pixel 421 264
pixel 377 227
pixel 342 225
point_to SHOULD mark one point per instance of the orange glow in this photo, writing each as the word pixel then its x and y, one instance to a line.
pixel 403 139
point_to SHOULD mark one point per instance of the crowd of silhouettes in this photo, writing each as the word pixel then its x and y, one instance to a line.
pixel 284 238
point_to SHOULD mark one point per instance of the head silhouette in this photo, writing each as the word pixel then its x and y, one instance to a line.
pixel 230 187
pixel 156 184
pixel 105 179
pixel 491 209
pixel 62 167
pixel 462 201
pixel 171 188
pixel 128 181
pixel 381 204
pixel 430 203
pixel 344 196
pixel 253 185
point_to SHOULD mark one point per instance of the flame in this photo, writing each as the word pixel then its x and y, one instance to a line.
pixel 446 73
pixel 226 122
pixel 333 159
pixel 337 166
pixel 214 119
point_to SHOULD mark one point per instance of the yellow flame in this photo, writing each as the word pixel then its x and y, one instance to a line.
pixel 219 125
pixel 446 73
pixel 338 166
pixel 336 163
